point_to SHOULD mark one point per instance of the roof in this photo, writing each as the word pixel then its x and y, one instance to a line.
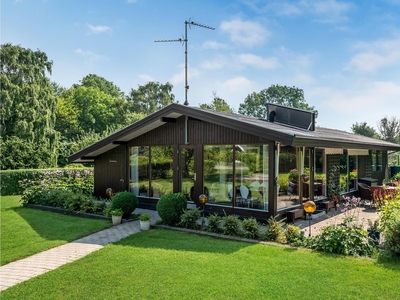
pixel 287 135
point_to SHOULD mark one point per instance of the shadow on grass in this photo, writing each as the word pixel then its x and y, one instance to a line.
pixel 179 241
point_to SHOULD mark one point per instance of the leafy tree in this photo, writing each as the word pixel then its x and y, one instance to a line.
pixel 218 104
pixel 389 129
pixel 364 129
pixel 150 97
pixel 83 109
pixel 255 103
pixel 102 84
pixel 28 108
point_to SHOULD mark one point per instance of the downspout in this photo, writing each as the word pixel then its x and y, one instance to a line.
pixel 186 130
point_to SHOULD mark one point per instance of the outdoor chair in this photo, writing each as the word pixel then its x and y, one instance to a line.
pixel 365 193
pixel 291 191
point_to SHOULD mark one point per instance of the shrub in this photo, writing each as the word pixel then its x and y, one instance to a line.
pixel 293 234
pixel 388 211
pixel 251 228
pixel 214 223
pixel 170 207
pixel 189 219
pixel 392 236
pixel 275 232
pixel 126 201
pixel 231 225
pixel 342 239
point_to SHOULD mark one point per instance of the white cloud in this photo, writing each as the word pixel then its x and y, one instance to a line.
pixel 146 78
pixel 216 63
pixel 237 84
pixel 180 76
pixel 89 55
pixel 257 61
pixel 98 29
pixel 213 45
pixel 375 55
pixel 246 33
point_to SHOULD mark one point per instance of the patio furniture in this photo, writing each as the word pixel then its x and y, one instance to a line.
pixel 292 215
pixel 365 193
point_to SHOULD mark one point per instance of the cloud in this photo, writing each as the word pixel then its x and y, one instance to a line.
pixel 237 84
pixel 246 33
pixel 374 56
pixel 89 55
pixel 213 45
pixel 325 11
pixel 180 76
pixel 217 63
pixel 146 78
pixel 98 29
pixel 257 61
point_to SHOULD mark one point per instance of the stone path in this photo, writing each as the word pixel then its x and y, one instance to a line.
pixel 24 269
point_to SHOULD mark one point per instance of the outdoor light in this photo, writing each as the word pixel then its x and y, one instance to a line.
pixel 203 200
pixel 309 208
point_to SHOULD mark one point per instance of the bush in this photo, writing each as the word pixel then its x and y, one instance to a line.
pixel 231 225
pixel 275 232
pixel 392 236
pixel 170 207
pixel 214 223
pixel 251 228
pixel 189 219
pixel 126 201
pixel 293 234
pixel 342 239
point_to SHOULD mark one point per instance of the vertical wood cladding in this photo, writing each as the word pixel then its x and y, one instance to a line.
pixel 110 171
pixel 198 132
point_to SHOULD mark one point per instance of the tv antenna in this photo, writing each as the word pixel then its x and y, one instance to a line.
pixel 184 41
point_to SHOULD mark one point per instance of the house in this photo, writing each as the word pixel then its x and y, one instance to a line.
pixel 245 165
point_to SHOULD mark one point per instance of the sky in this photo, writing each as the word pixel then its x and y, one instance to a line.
pixel 344 55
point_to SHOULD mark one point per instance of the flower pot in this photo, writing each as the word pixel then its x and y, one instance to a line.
pixel 145 225
pixel 116 220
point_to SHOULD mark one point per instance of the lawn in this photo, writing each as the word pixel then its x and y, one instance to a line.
pixel 162 264
pixel 26 231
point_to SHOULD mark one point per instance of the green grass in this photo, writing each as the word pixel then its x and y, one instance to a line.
pixel 26 231
pixel 163 264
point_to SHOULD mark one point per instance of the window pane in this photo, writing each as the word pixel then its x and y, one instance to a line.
pixel 218 173
pixel 319 176
pixel 352 172
pixel 161 170
pixel 288 178
pixel 139 171
pixel 187 170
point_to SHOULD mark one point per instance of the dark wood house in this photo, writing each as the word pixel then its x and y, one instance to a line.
pixel 245 165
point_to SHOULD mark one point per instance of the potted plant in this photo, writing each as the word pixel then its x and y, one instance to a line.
pixel 374 230
pixel 116 216
pixel 144 221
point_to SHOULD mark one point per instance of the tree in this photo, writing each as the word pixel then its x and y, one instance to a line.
pixel 150 98
pixel 218 104
pixel 28 108
pixel 92 80
pixel 82 109
pixel 364 129
pixel 389 129
pixel 255 104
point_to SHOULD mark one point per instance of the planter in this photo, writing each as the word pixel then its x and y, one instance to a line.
pixel 116 220
pixel 145 225
pixel 375 235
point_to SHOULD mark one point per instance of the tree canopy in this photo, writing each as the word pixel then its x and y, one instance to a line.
pixel 218 104
pixel 150 97
pixel 364 129
pixel 255 103
pixel 389 129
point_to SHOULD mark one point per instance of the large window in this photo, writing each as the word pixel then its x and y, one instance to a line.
pixel 237 175
pixel 151 173
pixel 348 172
pixel 376 159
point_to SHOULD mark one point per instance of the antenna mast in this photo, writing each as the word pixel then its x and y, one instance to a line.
pixel 185 41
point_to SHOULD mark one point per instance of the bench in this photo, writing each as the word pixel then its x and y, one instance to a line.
pixel 327 205
pixel 292 215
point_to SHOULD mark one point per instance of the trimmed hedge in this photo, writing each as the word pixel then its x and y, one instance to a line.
pixel 170 207
pixel 10 178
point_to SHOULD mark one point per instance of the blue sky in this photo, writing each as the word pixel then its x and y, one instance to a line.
pixel 345 55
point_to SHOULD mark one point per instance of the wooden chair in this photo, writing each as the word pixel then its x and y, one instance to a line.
pixel 365 193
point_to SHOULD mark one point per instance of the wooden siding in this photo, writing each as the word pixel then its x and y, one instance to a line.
pixel 111 171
